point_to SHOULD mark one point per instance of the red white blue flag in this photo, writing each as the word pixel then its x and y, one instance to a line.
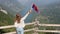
pixel 35 8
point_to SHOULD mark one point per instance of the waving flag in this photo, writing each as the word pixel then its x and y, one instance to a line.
pixel 35 8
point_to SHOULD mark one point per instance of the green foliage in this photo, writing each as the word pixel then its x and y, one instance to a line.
pixel 4 21
pixel 29 27
pixel 49 15
pixel 30 32
pixel 52 13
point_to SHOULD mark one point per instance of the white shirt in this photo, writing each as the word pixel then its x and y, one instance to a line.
pixel 21 24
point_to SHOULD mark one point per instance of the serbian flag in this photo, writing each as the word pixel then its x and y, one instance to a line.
pixel 35 8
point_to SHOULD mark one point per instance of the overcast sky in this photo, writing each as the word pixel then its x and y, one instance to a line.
pixel 38 2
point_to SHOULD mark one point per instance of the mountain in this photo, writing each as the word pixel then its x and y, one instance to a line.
pixel 52 12
pixel 12 6
pixel 48 9
pixel 49 12
pixel 5 19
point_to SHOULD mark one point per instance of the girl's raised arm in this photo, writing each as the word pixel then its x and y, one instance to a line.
pixel 23 18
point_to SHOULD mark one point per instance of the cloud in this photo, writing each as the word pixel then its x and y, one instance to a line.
pixel 23 1
pixel 4 11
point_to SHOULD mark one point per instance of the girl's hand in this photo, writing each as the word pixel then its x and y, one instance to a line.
pixel 30 11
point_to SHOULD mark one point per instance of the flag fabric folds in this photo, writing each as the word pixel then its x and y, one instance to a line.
pixel 35 7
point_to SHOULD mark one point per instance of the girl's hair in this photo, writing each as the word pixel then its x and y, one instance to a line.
pixel 18 18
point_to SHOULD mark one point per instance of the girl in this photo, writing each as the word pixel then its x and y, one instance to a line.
pixel 19 23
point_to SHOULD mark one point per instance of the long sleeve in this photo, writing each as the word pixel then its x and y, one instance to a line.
pixel 15 24
pixel 23 18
